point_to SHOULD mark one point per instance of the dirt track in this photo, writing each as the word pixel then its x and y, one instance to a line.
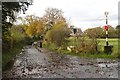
pixel 33 63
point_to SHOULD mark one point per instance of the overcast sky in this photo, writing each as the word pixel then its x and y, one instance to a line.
pixel 80 13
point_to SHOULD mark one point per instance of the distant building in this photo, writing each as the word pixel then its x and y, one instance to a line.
pixel 78 33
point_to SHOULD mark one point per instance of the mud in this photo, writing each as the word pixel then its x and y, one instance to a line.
pixel 41 63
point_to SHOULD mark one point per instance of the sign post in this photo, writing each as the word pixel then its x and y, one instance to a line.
pixel 74 31
pixel 106 28
pixel 107 47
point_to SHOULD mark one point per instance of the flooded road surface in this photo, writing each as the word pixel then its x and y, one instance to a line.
pixel 40 63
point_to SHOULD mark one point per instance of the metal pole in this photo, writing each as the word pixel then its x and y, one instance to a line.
pixel 74 30
pixel 106 14
pixel 107 48
pixel 107 38
pixel 74 40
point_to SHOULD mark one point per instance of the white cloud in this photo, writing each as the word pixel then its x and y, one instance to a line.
pixel 83 13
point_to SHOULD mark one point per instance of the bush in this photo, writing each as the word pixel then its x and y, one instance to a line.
pixel 57 34
pixel 13 44
pixel 86 45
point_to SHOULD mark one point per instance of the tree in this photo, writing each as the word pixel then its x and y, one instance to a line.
pixel 118 30
pixel 9 11
pixel 17 33
pixel 112 33
pixel 93 32
pixel 118 27
pixel 52 15
pixel 58 34
pixel 33 26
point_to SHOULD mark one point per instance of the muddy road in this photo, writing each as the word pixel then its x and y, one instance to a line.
pixel 41 63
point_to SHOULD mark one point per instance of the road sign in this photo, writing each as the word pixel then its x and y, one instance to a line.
pixel 106 27
pixel 74 30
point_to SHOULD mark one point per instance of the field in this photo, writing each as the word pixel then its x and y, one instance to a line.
pixel 101 54
pixel 113 42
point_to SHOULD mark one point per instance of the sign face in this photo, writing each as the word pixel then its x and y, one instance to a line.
pixel 106 27
pixel 74 30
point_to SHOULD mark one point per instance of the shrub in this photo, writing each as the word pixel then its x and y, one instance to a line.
pixel 57 34
pixel 86 45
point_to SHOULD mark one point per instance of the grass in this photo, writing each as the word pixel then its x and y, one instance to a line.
pixel 87 55
pixel 113 42
pixel 8 56
pixel 101 54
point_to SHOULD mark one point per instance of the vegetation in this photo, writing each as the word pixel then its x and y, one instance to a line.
pixel 100 54
pixel 11 37
pixel 118 30
pixel 9 11
pixel 32 26
pixel 113 42
pixel 52 15
pixel 87 45
pixel 99 32
pixel 55 34
pixel 18 40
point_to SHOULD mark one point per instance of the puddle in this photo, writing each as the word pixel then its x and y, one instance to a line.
pixel 17 62
pixel 107 65
pixel 74 60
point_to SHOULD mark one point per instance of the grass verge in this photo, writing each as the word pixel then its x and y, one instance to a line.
pixel 8 56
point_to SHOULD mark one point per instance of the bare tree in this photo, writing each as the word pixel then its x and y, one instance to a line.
pixel 53 15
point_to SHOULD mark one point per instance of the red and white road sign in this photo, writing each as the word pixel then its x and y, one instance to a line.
pixel 106 27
